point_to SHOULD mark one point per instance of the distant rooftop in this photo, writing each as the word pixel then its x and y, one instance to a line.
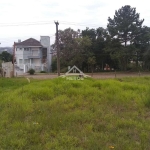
pixel 29 42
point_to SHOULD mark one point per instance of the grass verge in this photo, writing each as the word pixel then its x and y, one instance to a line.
pixel 61 114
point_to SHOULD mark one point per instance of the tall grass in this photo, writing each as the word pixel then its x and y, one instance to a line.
pixel 61 114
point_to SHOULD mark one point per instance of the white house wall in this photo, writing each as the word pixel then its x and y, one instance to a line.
pixel 18 54
pixel 36 62
pixel 7 69
pixel 26 53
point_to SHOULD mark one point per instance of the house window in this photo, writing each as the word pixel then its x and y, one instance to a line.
pixel 26 61
pixel 35 53
pixel 26 49
pixel 20 61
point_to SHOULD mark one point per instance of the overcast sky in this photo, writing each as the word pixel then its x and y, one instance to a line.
pixel 22 19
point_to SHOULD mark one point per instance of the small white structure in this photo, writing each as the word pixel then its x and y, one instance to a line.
pixel 7 69
pixel 74 74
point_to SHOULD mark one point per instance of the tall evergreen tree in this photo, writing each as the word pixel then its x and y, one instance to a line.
pixel 125 25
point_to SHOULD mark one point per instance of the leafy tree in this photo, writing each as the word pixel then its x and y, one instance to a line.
pixel 67 43
pixel 116 52
pixel 91 33
pixel 67 46
pixel 147 58
pixel 92 62
pixel 98 38
pixel 83 47
pixel 141 43
pixel 72 47
pixel 0 62
pixel 54 63
pixel 5 56
pixel 102 57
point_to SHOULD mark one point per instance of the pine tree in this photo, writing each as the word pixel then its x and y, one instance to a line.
pixel 125 25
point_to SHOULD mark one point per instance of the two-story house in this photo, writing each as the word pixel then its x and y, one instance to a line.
pixel 34 54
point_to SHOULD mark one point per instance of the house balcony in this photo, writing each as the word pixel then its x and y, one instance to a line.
pixel 34 56
pixel 19 66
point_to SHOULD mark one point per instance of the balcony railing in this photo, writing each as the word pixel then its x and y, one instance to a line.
pixel 34 56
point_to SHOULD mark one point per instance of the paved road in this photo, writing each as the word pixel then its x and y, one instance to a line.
pixel 95 75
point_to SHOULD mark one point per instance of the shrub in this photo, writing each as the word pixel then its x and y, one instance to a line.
pixel 42 71
pixel 31 71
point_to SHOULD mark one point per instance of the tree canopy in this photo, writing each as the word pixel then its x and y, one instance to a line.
pixel 5 56
pixel 123 45
pixel 125 25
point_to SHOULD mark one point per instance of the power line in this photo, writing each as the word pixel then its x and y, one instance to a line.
pixel 9 39
pixel 78 24
pixel 45 23
pixel 24 24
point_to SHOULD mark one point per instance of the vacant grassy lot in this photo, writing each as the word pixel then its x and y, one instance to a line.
pixel 75 115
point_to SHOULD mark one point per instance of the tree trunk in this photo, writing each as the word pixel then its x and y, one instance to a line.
pixel 137 60
pixel 125 57
pixel 125 44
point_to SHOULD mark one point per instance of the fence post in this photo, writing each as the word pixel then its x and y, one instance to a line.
pixel 139 73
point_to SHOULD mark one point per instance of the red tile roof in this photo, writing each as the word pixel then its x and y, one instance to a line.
pixel 29 42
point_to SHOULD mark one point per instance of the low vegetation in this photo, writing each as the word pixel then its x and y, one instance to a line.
pixel 42 71
pixel 31 71
pixel 75 115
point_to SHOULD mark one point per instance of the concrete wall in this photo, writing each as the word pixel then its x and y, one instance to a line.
pixel 45 41
pixel 18 54
pixel 7 69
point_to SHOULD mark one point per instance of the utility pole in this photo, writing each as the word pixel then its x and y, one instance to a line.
pixel 14 60
pixel 58 53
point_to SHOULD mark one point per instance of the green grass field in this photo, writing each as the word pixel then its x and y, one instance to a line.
pixel 59 114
